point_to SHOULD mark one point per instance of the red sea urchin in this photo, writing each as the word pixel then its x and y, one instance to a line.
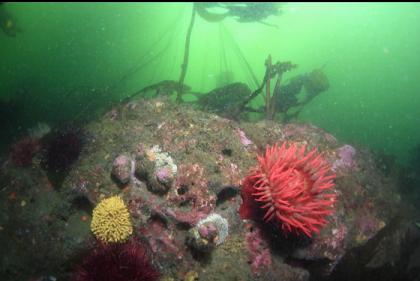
pixel 289 188
pixel 117 262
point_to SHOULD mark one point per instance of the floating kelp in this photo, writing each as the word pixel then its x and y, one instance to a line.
pixel 242 12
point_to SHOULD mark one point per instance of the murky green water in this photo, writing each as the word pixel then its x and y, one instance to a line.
pixel 70 59
pixel 97 176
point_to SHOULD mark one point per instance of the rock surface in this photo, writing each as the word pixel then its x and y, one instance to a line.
pixel 196 171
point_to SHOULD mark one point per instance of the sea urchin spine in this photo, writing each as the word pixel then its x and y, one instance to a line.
pixel 117 262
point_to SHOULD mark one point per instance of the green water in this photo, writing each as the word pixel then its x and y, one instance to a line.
pixel 70 58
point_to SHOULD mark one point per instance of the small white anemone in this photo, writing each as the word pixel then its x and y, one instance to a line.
pixel 220 223
pixel 40 130
pixel 163 160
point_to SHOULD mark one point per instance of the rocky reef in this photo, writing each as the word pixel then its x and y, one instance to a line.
pixel 179 172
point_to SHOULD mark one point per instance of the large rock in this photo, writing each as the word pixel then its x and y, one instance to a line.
pixel 203 158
